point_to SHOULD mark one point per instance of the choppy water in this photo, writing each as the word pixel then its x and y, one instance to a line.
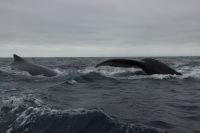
pixel 85 99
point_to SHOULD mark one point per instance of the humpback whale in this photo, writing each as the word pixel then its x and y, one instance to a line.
pixel 148 65
pixel 23 65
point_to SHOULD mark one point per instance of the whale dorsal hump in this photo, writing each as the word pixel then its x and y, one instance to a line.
pixel 121 63
pixel 18 58
pixel 148 65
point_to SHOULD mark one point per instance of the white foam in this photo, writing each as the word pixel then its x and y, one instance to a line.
pixel 72 81
pixel 191 72
pixel 60 71
pixel 187 71
pixel 15 102
pixel 108 71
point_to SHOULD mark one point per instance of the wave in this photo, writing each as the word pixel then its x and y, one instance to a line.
pixel 89 74
pixel 29 115
pixel 159 124
pixel 8 70
pixel 134 73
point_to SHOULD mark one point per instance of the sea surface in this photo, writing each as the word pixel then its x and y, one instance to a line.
pixel 85 99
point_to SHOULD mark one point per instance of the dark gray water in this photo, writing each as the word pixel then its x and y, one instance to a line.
pixel 85 99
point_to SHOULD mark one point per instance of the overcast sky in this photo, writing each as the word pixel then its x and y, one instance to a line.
pixel 99 27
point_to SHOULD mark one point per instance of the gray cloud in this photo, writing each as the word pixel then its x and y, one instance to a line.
pixel 99 28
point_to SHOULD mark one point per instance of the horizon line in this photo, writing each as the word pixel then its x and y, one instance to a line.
pixel 102 56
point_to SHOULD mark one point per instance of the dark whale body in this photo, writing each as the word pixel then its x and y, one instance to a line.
pixel 23 65
pixel 148 65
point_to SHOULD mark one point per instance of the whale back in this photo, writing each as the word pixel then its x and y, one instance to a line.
pixel 121 63
pixel 148 65
pixel 20 64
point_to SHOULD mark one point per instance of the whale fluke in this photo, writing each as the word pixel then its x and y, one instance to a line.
pixel 20 64
pixel 148 65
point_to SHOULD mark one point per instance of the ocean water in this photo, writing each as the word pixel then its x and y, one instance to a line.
pixel 85 99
